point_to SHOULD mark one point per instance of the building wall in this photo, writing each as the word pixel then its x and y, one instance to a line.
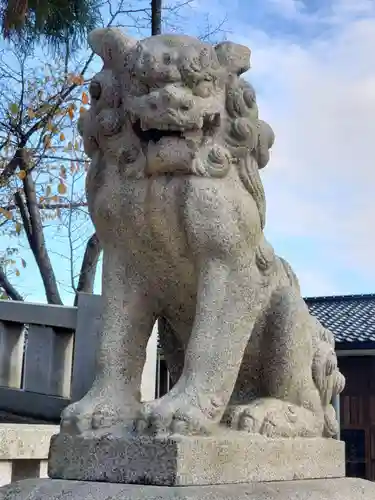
pixel 148 383
pixel 357 415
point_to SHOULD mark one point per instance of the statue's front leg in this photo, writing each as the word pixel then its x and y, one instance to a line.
pixel 128 317
pixel 227 306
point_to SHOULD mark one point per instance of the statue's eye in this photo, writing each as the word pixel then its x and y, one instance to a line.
pixel 95 90
pixel 203 88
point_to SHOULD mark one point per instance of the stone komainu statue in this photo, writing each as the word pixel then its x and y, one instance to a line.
pixel 175 195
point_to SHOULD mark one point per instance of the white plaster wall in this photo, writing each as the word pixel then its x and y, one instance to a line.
pixel 149 371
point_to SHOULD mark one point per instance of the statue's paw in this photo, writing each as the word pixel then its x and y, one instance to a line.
pixel 94 413
pixel 169 416
pixel 86 416
pixel 274 418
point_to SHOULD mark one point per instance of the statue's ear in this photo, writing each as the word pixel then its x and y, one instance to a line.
pixel 234 57
pixel 111 45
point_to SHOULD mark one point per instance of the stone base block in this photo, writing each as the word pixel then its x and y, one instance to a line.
pixel 184 461
pixel 319 489
pixel 24 451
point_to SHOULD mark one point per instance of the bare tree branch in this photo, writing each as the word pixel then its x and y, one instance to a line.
pixel 89 265
pixel 51 206
pixel 8 287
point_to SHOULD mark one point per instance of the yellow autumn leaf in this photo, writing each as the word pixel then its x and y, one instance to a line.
pixel 71 113
pixel 6 214
pixel 30 113
pixel 61 188
pixel 22 174
pixel 17 272
pixel 82 109
pixel 18 227
pixel 62 137
pixel 77 79
pixel 55 198
pixel 85 98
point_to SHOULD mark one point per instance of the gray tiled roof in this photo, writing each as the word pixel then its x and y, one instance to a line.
pixel 350 317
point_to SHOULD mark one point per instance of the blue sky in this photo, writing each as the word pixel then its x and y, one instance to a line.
pixel 314 72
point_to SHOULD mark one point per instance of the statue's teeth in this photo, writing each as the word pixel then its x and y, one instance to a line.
pixel 144 125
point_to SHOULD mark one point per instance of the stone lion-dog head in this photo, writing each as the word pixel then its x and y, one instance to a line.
pixel 174 104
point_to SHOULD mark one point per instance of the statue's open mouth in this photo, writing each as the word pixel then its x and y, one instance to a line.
pixel 210 123
pixel 154 134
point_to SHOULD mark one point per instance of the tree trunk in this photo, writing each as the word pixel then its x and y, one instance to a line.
pixel 88 268
pixel 156 6
pixel 32 222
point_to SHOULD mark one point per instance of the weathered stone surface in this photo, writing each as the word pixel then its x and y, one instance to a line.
pixel 24 451
pixel 25 441
pixel 321 489
pixel 232 458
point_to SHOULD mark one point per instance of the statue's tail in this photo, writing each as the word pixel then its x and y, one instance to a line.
pixel 328 380
pixel 325 373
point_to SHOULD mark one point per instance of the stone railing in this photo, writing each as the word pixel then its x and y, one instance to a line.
pixel 46 355
pixel 24 451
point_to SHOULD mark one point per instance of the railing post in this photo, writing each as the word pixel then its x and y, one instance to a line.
pixel 48 360
pixel 89 320
pixel 12 340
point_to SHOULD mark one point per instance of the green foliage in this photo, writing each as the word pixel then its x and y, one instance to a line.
pixel 56 22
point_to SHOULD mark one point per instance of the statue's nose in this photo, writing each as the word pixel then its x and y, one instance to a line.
pixel 175 97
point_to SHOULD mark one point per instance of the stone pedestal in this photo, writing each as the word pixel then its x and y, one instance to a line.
pixel 319 489
pixel 232 457
pixel 233 466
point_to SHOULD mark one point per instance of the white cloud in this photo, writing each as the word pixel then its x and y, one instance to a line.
pixel 287 8
pixel 346 9
pixel 319 96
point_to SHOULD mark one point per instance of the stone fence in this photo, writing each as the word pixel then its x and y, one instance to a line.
pixel 24 451
pixel 46 355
